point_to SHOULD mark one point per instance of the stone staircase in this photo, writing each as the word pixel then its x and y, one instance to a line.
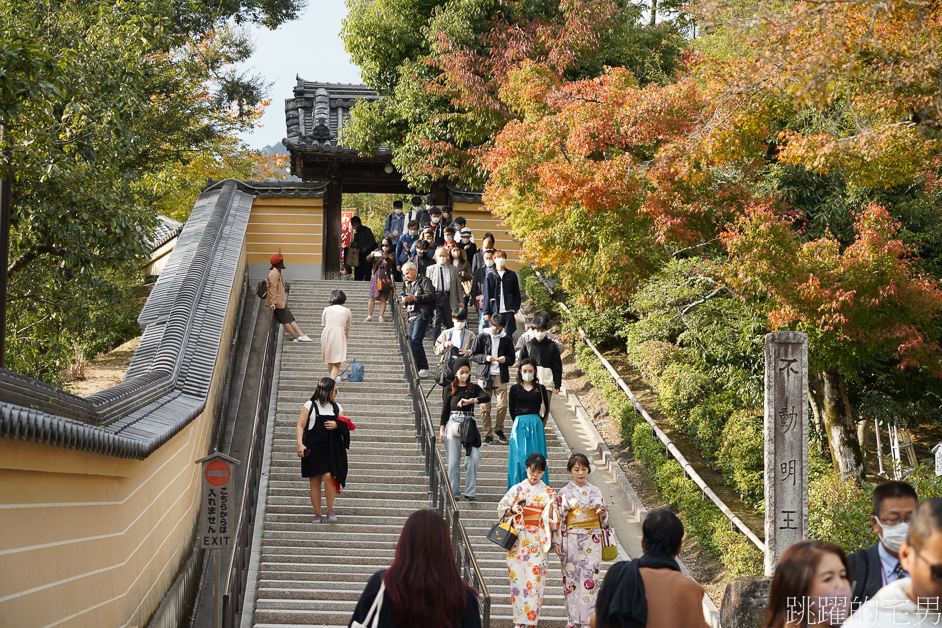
pixel 313 574
pixel 480 515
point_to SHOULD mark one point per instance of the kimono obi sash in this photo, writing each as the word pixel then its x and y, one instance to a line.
pixel 531 515
pixel 583 518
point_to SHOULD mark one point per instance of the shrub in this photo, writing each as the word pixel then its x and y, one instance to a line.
pixel 680 389
pixel 604 330
pixel 708 419
pixel 839 511
pixel 742 455
pixel 536 291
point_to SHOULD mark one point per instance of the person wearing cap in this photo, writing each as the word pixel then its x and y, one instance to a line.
pixel 418 213
pixel 466 242
pixel 458 408
pixel 437 226
pixel 275 299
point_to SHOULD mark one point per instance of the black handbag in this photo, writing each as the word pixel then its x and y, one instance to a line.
pixel 504 534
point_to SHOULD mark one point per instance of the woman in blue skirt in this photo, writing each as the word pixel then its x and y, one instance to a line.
pixel 529 407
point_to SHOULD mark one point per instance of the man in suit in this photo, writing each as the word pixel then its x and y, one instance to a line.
pixel 873 568
pixel 502 293
pixel 444 278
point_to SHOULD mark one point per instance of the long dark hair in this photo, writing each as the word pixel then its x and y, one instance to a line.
pixel 469 385
pixel 527 362
pixel 324 389
pixel 423 582
pixel 793 577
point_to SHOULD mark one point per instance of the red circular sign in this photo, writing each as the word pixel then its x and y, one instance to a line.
pixel 217 473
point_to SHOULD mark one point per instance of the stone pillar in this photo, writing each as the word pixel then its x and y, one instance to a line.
pixel 786 443
pixel 330 254
pixel 745 602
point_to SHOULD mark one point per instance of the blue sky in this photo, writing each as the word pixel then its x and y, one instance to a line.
pixel 310 47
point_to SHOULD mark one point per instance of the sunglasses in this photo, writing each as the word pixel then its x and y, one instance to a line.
pixel 936 570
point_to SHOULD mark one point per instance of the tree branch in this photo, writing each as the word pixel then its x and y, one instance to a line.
pixel 27 257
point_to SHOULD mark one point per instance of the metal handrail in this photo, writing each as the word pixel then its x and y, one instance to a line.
pixel 443 499
pixel 664 438
pixel 234 587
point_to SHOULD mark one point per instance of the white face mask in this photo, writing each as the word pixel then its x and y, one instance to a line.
pixel 489 262
pixel 463 377
pixel 465 240
pixel 398 211
pixel 429 207
pixel 527 377
pixel 894 535
pixel 539 335
pixel 413 232
pixel 449 238
pixel 459 325
pixel 441 260
pixel 434 220
pixel 499 262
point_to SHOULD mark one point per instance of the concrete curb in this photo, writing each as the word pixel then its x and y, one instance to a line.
pixel 710 611
pixel 251 580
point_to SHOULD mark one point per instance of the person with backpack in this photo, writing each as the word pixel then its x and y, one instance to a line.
pixel 452 344
pixel 336 320
pixel 458 429
pixel 418 213
pixel 323 440
pixel 275 299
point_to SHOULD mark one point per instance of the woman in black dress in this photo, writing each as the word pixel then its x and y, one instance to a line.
pixel 323 440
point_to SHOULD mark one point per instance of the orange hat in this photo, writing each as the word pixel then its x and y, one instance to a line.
pixel 277 258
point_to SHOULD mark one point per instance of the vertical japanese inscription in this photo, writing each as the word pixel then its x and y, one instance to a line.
pixel 786 443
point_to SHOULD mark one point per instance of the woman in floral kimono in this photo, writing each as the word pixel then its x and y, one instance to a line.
pixel 578 541
pixel 533 507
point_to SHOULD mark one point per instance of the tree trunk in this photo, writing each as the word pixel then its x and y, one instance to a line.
pixel 653 13
pixel 829 398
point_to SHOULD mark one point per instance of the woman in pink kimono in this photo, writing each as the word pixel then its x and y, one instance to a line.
pixel 533 507
pixel 578 541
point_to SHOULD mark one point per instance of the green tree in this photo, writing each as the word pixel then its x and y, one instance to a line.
pixel 97 100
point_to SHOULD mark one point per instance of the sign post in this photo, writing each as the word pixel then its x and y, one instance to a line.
pixel 216 518
pixel 786 443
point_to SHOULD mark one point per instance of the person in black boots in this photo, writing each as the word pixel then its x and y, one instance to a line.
pixel 365 242
pixel 493 352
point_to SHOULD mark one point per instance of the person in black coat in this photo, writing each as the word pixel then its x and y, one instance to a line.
pixel 545 353
pixel 872 568
pixel 422 587
pixel 421 259
pixel 502 293
pixel 486 244
pixel 365 242
pixel 493 352
pixel 417 300
pixel 323 441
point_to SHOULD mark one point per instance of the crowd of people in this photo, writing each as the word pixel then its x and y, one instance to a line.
pixel 895 582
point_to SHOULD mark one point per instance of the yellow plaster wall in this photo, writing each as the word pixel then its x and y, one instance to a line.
pixel 293 227
pixel 92 540
pixel 480 221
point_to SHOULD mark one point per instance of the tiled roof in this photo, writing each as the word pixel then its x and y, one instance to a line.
pixel 317 114
pixel 280 189
pixel 167 383
pixel 166 230
pixel 459 195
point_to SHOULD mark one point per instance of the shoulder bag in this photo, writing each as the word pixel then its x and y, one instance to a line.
pixel 372 617
pixel 609 549
pixel 504 534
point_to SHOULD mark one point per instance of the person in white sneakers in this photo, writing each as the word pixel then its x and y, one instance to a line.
pixel 275 299
pixel 912 600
